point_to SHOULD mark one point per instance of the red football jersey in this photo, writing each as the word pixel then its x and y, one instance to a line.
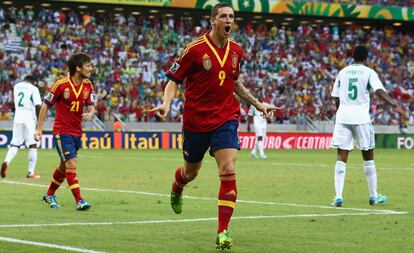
pixel 208 73
pixel 69 100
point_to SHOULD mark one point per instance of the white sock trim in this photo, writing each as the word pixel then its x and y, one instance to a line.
pixel 369 163
pixel 371 173
pixel 340 163
pixel 11 153
pixel 339 178
pixel 32 160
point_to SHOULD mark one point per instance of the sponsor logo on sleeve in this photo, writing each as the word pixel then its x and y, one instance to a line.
pixel 49 96
pixel 174 67
pixel 94 98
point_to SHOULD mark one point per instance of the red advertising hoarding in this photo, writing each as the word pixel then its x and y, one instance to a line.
pixel 288 141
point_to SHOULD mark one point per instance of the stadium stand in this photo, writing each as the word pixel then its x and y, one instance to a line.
pixel 292 66
pixel 402 3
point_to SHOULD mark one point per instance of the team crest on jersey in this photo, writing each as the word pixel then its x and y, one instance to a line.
pixel 66 93
pixel 234 60
pixel 85 94
pixel 174 67
pixel 207 62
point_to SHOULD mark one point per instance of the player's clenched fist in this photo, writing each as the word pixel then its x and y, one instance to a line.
pixel 38 135
pixel 161 111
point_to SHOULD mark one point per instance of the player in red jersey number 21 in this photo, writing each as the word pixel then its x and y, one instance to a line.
pixel 69 94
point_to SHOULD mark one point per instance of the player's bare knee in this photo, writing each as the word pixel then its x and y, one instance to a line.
pixel 342 159
pixel 260 138
pixel 71 163
pixel 191 170
pixel 33 146
pixel 191 173
pixel 368 155
pixel 226 167
pixel 342 155
pixel 62 167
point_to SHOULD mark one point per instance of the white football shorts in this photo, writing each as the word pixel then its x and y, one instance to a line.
pixel 23 133
pixel 260 130
pixel 345 136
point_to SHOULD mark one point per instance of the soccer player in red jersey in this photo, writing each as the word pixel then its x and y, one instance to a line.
pixel 209 67
pixel 70 95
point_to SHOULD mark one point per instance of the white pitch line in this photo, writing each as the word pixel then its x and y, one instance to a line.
pixel 248 162
pixel 48 245
pixel 282 216
pixel 213 199
pixel 244 162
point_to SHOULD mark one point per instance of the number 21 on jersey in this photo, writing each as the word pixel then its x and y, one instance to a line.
pixel 74 106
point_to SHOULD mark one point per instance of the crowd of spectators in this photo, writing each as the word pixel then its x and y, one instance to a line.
pixel 400 3
pixel 293 67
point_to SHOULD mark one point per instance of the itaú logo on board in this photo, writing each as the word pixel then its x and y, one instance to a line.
pixel 405 143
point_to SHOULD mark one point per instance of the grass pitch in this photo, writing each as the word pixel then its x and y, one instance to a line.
pixel 283 205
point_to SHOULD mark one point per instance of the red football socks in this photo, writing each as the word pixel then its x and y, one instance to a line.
pixel 73 183
pixel 226 200
pixel 58 177
pixel 180 181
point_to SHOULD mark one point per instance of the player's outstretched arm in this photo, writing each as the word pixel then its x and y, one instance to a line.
pixel 37 108
pixel 249 121
pixel 336 100
pixel 40 121
pixel 169 93
pixel 245 94
pixel 89 115
pixel 384 96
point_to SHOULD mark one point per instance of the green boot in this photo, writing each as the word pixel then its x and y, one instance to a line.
pixel 223 240
pixel 176 202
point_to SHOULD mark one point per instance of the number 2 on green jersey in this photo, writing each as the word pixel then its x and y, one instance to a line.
pixel 21 96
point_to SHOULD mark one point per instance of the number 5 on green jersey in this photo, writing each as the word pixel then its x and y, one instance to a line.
pixel 353 88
